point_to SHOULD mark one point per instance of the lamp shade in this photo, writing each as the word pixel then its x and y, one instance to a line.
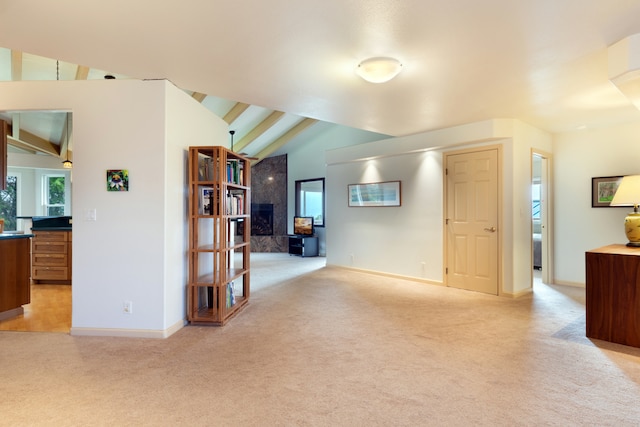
pixel 379 69
pixel 628 194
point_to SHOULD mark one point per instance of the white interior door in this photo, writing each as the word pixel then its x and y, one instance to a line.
pixel 472 221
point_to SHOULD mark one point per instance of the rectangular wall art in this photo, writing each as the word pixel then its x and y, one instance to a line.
pixel 117 180
pixel 375 194
pixel 602 190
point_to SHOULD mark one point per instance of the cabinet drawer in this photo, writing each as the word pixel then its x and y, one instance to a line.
pixel 60 236
pixel 49 259
pixel 49 273
pixel 49 246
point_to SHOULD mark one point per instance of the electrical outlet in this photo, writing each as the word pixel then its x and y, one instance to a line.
pixel 127 307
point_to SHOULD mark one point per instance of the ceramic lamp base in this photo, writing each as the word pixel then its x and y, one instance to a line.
pixel 632 228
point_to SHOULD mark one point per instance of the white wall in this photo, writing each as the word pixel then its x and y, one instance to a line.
pixel 578 157
pixel 518 250
pixel 408 240
pixel 188 124
pixel 306 161
pixel 135 250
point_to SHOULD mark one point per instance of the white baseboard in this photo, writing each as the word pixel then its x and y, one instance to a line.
pixel 572 284
pixel 382 273
pixel 515 295
pixel 128 333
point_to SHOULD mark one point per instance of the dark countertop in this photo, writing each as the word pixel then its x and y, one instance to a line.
pixel 51 223
pixel 7 236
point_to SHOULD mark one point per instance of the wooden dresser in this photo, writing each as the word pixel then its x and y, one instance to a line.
pixel 613 294
pixel 51 256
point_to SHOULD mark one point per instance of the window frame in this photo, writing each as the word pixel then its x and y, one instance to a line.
pixel 45 193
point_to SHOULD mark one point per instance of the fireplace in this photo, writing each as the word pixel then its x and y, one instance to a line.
pixel 262 219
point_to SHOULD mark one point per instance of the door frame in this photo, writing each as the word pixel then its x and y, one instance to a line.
pixel 499 202
pixel 546 185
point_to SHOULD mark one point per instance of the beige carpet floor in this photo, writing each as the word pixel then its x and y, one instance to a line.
pixel 322 346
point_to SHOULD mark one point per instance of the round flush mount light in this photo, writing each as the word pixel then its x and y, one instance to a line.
pixel 379 69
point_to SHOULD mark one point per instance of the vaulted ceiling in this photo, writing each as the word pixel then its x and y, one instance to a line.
pixel 257 131
pixel 540 61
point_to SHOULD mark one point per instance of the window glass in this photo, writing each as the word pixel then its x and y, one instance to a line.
pixel 9 204
pixel 535 201
pixel 54 195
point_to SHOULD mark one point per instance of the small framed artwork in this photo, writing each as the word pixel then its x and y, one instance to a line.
pixel 117 180
pixel 374 194
pixel 603 189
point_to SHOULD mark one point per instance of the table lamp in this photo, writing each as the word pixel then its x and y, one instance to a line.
pixel 628 194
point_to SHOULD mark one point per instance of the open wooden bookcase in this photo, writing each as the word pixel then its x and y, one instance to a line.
pixel 219 234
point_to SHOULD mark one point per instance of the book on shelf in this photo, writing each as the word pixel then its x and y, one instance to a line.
pixel 231 297
pixel 235 173
pixel 207 168
pixel 206 200
pixel 235 203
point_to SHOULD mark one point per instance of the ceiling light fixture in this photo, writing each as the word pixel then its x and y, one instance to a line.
pixel 379 69
pixel 67 163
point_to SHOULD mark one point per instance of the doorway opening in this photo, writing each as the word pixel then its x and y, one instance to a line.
pixel 541 221
pixel 37 142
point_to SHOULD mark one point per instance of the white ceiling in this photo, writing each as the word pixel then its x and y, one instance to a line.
pixel 541 61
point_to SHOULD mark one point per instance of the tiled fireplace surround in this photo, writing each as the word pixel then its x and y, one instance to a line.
pixel 269 186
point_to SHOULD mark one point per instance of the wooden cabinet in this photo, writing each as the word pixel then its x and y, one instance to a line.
pixel 14 275
pixel 303 246
pixel 613 294
pixel 51 256
pixel 219 234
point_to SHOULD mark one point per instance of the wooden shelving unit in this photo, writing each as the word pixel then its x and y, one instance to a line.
pixel 219 234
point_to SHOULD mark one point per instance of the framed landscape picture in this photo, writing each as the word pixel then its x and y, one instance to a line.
pixel 603 189
pixel 375 194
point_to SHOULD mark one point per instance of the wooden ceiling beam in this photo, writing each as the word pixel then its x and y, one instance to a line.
pixel 21 145
pixel 199 96
pixel 284 139
pixel 29 141
pixel 254 133
pixel 82 72
pixel 16 65
pixel 235 112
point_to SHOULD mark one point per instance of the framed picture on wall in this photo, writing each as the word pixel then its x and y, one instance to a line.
pixel 603 189
pixel 375 194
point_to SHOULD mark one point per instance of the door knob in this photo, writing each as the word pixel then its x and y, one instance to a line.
pixel 491 230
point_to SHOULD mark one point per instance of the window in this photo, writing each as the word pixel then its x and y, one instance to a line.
pixel 54 195
pixel 310 199
pixel 9 204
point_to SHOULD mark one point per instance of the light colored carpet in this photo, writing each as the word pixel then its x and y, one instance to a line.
pixel 322 346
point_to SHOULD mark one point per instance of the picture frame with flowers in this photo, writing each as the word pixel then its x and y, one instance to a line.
pixel 117 180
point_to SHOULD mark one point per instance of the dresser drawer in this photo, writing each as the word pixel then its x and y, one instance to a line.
pixel 49 259
pixel 49 273
pixel 59 236
pixel 49 246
